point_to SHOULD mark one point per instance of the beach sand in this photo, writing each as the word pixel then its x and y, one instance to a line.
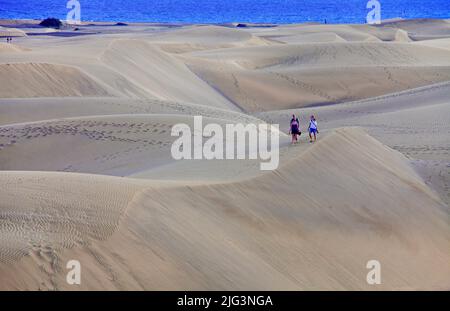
pixel 86 171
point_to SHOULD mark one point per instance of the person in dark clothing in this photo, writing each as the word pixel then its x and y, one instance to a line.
pixel 294 129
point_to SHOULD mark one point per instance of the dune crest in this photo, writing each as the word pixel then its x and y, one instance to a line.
pixel 159 73
pixel 402 36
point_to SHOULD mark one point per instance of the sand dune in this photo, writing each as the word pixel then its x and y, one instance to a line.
pixel 402 36
pixel 208 37
pixel 159 73
pixel 439 43
pixel 294 76
pixel 11 48
pixel 104 145
pixel 91 145
pixel 113 145
pixel 23 110
pixel 414 122
pixel 288 32
pixel 421 29
pixel 330 55
pixel 204 34
pixel 257 239
pixel 417 29
pixel 26 227
pixel 45 80
pixel 312 38
pixel 12 32
pixel 295 88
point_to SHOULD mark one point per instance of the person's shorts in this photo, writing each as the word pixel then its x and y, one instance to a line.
pixel 313 131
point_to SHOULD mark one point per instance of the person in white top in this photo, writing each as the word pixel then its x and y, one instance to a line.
pixel 312 129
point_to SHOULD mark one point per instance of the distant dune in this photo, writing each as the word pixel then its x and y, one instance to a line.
pixel 86 171
pixel 294 76
pixel 46 80
pixel 11 48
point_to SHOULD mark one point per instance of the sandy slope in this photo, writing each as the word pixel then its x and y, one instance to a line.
pixel 196 38
pixel 120 67
pixel 103 101
pixel 414 122
pixel 46 80
pixel 294 76
pixel 440 43
pixel 160 74
pixel 11 48
pixel 23 110
pixel 291 237
pixel 421 29
pixel 13 32
pixel 290 33
pixel 113 145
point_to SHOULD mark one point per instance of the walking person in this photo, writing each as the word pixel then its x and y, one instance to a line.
pixel 294 129
pixel 312 128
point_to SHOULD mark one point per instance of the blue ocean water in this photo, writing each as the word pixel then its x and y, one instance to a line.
pixel 224 11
